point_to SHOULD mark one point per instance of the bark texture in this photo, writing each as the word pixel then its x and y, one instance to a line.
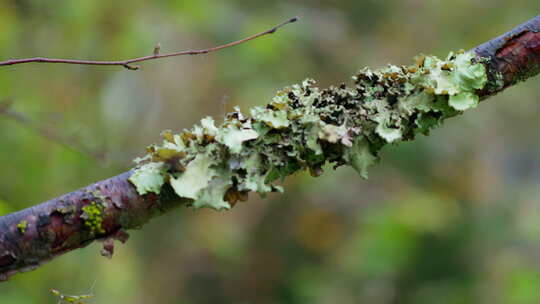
pixel 513 57
pixel 34 236
pixel 104 210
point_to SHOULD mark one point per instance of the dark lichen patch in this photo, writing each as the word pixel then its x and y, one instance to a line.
pixel 93 217
pixel 304 127
pixel 68 212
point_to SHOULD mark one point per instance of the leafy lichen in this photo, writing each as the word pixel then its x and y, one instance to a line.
pixel 304 127
pixel 93 217
pixel 148 178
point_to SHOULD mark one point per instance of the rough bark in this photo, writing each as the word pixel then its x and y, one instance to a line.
pixel 34 236
pixel 513 56
pixel 31 237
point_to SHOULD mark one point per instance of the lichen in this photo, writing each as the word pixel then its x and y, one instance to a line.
pixel 21 226
pixel 304 127
pixel 93 217
pixel 148 178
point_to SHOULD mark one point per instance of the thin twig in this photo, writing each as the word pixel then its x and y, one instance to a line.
pixel 71 143
pixel 156 55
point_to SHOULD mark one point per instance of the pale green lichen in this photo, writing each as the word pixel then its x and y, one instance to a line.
pixel 233 137
pixel 149 178
pixel 197 176
pixel 304 127
pixel 93 217
pixel 463 101
pixel 21 226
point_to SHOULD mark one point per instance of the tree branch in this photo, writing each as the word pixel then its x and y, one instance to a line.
pixel 128 63
pixel 102 211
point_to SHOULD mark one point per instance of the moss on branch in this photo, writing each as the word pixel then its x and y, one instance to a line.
pixel 304 127
pixel 93 217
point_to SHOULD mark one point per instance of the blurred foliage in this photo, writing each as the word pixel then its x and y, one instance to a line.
pixel 449 218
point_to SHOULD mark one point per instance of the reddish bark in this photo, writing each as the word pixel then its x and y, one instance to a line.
pixel 56 226
pixel 515 56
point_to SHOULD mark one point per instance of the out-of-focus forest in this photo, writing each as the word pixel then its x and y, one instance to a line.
pixel 449 218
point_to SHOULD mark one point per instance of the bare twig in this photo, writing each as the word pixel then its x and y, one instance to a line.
pixel 71 143
pixel 128 64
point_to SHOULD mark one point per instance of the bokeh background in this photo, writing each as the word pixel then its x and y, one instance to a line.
pixel 449 218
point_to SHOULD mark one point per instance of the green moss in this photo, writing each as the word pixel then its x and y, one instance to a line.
pixel 22 225
pixel 93 217
pixel 304 127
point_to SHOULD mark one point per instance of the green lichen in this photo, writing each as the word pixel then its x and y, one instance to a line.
pixel 22 225
pixel 149 178
pixel 93 217
pixel 305 127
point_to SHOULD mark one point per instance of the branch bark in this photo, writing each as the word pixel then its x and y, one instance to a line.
pixel 31 237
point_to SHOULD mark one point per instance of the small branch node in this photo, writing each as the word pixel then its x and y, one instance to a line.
pixel 157 48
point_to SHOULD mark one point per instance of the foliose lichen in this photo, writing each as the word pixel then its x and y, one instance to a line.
pixel 93 217
pixel 304 127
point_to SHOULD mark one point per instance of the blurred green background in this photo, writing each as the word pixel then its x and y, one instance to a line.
pixel 449 218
